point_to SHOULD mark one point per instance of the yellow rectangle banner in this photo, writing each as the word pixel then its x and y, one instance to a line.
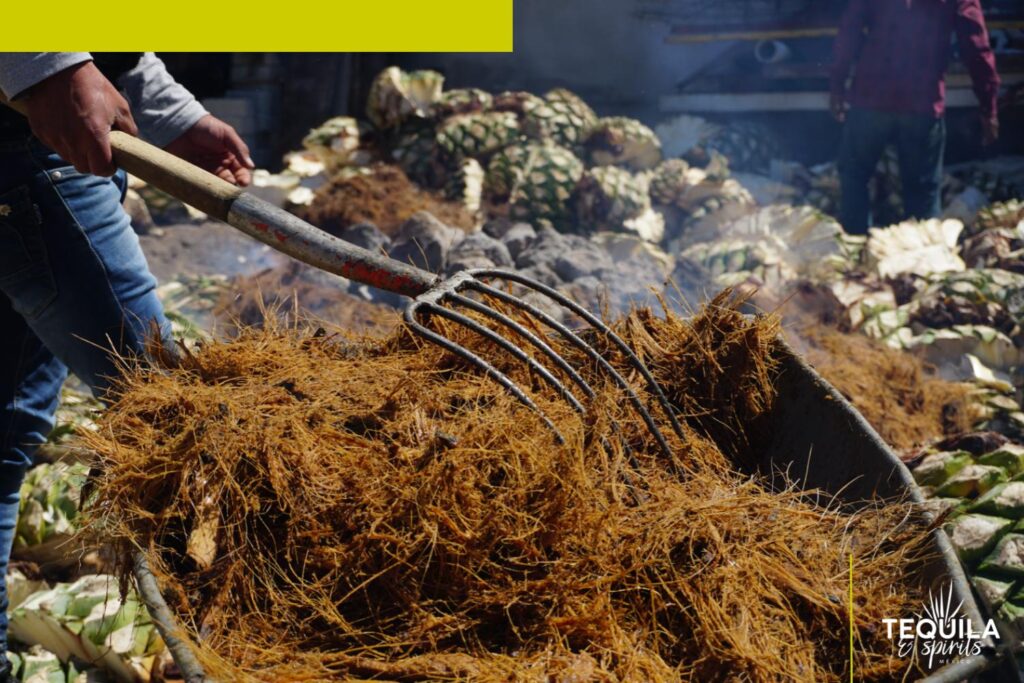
pixel 261 26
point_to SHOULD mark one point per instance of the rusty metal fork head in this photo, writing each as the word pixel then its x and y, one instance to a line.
pixel 445 299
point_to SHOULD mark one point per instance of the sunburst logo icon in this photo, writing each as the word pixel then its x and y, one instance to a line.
pixel 940 633
pixel 939 608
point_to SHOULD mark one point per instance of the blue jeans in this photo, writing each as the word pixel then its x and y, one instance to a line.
pixel 74 289
pixel 920 144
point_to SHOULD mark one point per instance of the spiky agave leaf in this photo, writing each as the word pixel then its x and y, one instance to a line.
pixel 670 181
pixel 504 170
pixel 416 151
pixel 337 142
pixel 562 117
pixel 747 145
pixel 625 142
pixel 543 183
pixel 536 180
pixel 519 102
pixel 88 620
pixel 49 502
pixel 396 96
pixel 608 196
pixel 466 185
pixel 477 135
pixel 1008 215
pixel 463 101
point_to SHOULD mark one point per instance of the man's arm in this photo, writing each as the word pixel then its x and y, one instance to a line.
pixel 849 42
pixel 163 109
pixel 976 52
pixel 19 71
pixel 169 116
pixel 72 107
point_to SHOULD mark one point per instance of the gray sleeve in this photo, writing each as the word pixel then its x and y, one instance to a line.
pixel 162 108
pixel 19 71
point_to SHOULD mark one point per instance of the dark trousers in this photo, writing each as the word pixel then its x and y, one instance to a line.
pixel 74 287
pixel 920 143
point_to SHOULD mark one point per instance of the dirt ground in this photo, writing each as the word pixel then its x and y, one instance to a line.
pixel 207 248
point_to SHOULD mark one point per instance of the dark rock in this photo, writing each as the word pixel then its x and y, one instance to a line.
pixel 480 245
pixel 582 258
pixel 518 238
pixel 424 241
pixel 542 273
pixel 546 234
pixel 497 227
pixel 568 260
pixel 548 246
pixel 457 264
pixel 366 235
pixel 534 257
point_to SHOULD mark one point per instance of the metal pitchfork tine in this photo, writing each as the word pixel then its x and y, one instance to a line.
pixel 450 291
pixel 431 295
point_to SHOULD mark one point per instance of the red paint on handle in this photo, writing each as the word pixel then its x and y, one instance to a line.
pixel 381 279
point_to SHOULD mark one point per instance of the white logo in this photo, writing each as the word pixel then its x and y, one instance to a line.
pixel 940 633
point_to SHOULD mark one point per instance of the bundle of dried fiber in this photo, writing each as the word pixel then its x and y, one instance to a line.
pixel 328 509
pixel 896 392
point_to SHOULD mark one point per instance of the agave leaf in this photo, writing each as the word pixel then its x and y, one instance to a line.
pixel 32 522
pixel 17 662
pixel 42 667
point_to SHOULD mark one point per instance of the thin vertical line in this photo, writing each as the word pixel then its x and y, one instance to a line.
pixel 851 616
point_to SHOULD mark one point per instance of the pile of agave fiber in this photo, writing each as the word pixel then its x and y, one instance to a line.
pixel 326 508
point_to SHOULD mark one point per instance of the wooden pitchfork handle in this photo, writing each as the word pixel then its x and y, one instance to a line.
pixel 259 219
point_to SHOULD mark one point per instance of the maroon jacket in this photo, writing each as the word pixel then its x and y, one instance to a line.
pixel 900 50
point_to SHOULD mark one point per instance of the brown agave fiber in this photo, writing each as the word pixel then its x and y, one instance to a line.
pixel 320 508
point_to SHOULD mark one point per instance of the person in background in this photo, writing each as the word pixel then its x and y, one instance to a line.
pixel 75 288
pixel 898 51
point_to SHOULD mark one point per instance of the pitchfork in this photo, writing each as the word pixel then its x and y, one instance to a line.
pixel 431 295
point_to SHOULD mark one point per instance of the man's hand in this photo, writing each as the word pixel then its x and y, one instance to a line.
pixel 837 103
pixel 989 130
pixel 73 111
pixel 215 146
